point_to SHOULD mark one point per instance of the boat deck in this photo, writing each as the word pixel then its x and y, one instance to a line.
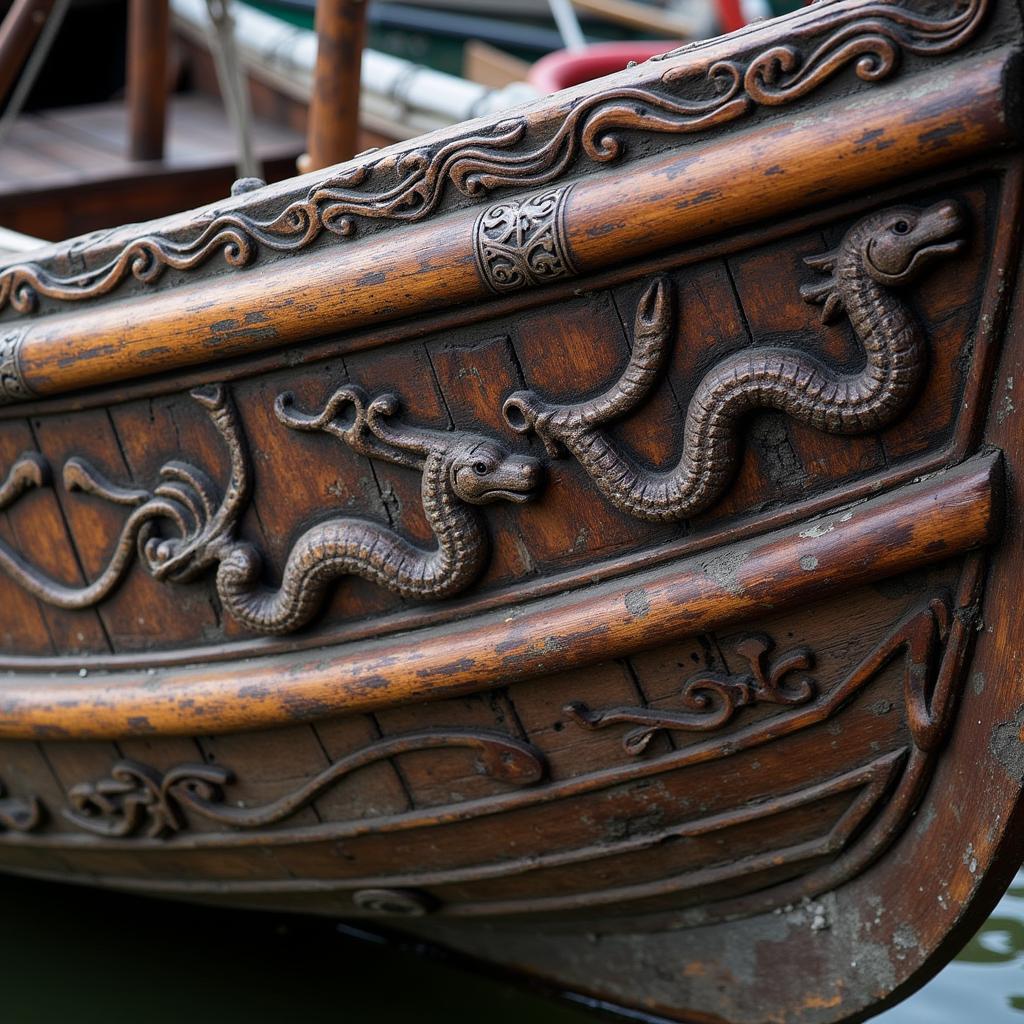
pixel 64 172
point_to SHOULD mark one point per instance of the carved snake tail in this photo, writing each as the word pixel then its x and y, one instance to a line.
pixel 525 411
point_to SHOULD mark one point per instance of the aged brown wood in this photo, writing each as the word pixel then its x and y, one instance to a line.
pixel 334 106
pixel 68 172
pixel 19 30
pixel 311 296
pixel 149 36
pixel 737 689
pixel 942 517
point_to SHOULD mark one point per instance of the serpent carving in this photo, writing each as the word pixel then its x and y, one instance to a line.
pixel 460 471
pixel 879 254
pixel 182 528
pixel 185 526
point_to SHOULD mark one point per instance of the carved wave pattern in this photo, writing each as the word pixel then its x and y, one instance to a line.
pixel 138 800
pixel 411 186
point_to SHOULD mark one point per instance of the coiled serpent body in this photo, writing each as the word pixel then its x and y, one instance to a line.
pixel 880 253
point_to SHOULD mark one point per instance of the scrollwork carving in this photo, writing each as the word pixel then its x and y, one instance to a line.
pixel 410 186
pixel 12 384
pixel 711 699
pixel 137 799
pixel 185 526
pixel 880 253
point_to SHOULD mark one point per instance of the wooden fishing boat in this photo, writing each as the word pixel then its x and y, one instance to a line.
pixel 587 539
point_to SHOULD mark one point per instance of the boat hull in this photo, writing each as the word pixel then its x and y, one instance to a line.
pixel 550 545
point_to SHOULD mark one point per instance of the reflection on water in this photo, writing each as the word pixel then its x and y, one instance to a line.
pixel 74 955
pixel 986 981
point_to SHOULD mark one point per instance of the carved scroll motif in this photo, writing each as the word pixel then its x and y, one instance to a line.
pixel 411 186
pixel 184 527
pixel 519 243
pixel 880 253
pixel 12 385
pixel 138 799
pixel 929 645
pixel 711 699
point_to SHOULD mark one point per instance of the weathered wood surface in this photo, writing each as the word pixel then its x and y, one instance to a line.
pixel 575 541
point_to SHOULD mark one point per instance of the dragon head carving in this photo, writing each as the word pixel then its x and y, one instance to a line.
pixel 482 470
pixel 892 247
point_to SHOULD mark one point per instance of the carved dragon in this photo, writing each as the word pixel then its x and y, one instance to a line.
pixel 460 471
pixel 184 527
pixel 879 254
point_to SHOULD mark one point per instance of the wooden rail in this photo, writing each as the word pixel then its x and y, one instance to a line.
pixel 915 525
pixel 675 198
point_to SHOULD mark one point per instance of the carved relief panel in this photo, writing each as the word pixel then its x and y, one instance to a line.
pixel 676 434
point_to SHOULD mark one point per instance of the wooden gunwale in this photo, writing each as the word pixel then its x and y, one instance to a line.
pixel 676 198
pixel 993 308
pixel 923 522
pixel 745 738
pixel 871 779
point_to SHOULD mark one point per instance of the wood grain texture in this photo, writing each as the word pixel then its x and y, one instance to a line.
pixel 737 690
pixel 305 296
pixel 941 517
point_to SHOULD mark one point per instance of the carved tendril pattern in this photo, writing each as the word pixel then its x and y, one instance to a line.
pixel 185 526
pixel 137 799
pixel 12 384
pixel 711 699
pixel 523 242
pixel 411 185
pixel 930 645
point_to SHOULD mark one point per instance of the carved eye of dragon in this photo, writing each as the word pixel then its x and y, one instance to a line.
pixel 185 527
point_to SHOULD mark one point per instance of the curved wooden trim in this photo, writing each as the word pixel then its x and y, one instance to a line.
pixel 674 198
pixel 921 523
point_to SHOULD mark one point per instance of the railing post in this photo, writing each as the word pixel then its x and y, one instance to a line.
pixel 334 109
pixel 18 33
pixel 149 31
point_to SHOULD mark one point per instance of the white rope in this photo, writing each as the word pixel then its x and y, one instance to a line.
pixel 233 87
pixel 568 24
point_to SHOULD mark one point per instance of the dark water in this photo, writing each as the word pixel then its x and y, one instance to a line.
pixel 74 956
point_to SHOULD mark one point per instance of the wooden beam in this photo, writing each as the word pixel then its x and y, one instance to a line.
pixel 639 16
pixel 919 524
pixel 334 107
pixel 676 198
pixel 149 29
